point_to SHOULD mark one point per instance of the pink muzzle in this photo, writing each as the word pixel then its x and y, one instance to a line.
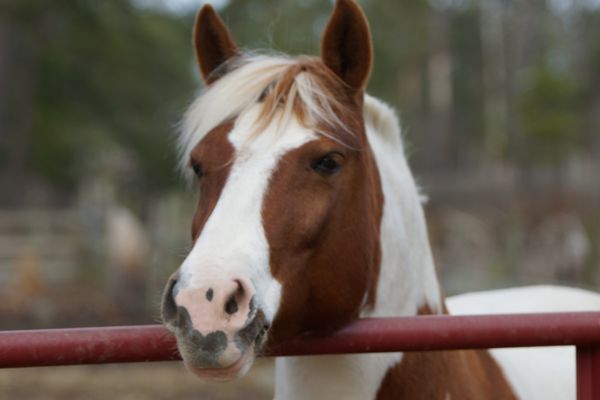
pixel 216 322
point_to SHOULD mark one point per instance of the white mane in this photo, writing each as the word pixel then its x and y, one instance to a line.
pixel 226 98
pixel 249 79
pixel 383 119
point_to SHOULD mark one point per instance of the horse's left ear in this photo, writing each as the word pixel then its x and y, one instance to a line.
pixel 346 46
pixel 213 43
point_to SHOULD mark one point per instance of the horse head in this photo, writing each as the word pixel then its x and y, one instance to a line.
pixel 286 230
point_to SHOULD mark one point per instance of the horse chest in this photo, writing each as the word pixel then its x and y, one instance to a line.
pixel 332 377
pixel 463 375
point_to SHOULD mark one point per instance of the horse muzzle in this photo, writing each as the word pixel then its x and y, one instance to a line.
pixel 218 326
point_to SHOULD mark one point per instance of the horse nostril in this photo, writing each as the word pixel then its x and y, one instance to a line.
pixel 231 307
pixel 169 312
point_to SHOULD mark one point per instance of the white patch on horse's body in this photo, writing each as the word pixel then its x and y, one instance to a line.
pixel 538 372
pixel 407 277
pixel 233 241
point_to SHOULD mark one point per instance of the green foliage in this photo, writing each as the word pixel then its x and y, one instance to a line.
pixel 467 83
pixel 399 32
pixel 288 26
pixel 108 76
pixel 400 36
pixel 101 77
pixel 548 112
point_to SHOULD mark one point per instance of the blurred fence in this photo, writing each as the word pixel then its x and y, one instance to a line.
pixel 39 242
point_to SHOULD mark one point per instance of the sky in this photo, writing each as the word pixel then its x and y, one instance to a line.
pixel 187 6
pixel 179 6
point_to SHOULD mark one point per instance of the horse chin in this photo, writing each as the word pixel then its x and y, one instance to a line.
pixel 236 370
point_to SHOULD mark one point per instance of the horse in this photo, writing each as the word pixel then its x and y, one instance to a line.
pixel 308 218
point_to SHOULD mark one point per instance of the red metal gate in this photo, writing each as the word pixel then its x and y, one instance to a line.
pixel 154 343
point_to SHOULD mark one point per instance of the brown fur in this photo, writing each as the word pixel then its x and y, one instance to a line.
pixel 213 44
pixel 215 154
pixel 433 375
pixel 323 233
pixel 442 375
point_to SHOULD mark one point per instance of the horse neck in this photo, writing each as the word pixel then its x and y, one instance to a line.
pixel 407 283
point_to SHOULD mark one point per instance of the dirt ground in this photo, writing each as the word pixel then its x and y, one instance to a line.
pixel 161 380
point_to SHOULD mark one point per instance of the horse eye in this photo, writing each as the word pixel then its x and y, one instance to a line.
pixel 198 170
pixel 328 164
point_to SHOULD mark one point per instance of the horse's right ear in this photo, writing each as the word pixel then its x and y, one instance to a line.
pixel 213 43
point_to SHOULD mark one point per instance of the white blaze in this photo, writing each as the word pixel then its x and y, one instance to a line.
pixel 233 240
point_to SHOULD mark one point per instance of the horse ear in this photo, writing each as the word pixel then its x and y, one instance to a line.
pixel 213 44
pixel 346 45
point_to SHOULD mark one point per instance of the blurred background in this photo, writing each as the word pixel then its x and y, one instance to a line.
pixel 500 107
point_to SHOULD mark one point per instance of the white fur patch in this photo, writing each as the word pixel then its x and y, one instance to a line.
pixel 407 275
pixel 383 120
pixel 352 377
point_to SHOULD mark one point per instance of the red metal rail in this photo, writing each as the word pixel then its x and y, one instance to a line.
pixel 154 343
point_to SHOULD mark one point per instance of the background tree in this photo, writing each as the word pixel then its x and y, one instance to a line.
pixel 91 88
pixel 550 120
pixel 84 78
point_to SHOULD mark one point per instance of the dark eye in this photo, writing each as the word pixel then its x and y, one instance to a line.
pixel 329 163
pixel 197 169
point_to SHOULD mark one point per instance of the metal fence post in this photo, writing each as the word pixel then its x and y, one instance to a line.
pixel 588 373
